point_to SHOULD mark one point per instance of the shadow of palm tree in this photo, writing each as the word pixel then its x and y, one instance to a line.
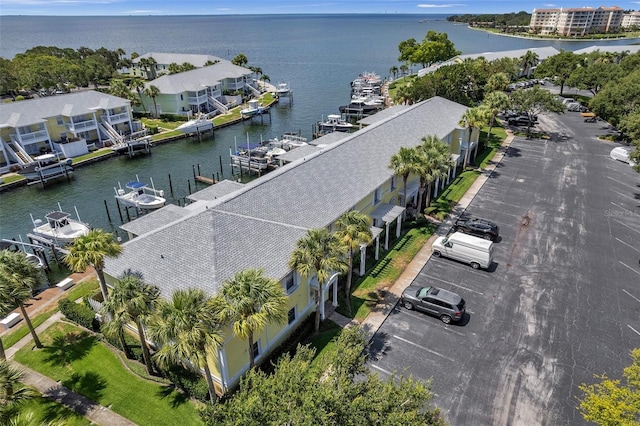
pixel 175 398
pixel 69 347
pixel 89 384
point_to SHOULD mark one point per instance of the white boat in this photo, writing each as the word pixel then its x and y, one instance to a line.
pixel 197 125
pixel 334 123
pixel 254 108
pixel 289 141
pixel 140 195
pixel 60 227
pixel 47 167
pixel 282 89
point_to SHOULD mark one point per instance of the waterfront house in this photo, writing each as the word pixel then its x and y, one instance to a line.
pixel 257 225
pixel 159 65
pixel 215 87
pixel 31 127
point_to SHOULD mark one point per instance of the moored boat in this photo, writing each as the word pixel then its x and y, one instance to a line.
pixel 60 227
pixel 197 125
pixel 47 167
pixel 254 107
pixel 140 195
pixel 335 123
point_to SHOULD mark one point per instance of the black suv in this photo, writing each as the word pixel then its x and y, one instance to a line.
pixel 479 227
pixel 521 120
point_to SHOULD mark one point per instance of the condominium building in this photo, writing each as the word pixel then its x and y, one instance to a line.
pixel 631 19
pixel 576 21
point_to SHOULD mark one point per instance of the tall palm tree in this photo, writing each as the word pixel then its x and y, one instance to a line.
pixel 12 391
pixel 494 103
pixel 435 160
pixel 248 302
pixel 153 92
pixel 473 118
pixel 403 163
pixel 318 253
pixel 527 61
pixel 187 331
pixel 353 230
pixel 18 278
pixel 91 250
pixel 138 85
pixel 132 300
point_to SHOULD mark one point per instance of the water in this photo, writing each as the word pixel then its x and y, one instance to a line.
pixel 317 55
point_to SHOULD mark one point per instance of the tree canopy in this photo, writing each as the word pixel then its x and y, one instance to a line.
pixel 435 47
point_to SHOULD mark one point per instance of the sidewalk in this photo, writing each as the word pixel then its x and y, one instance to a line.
pixel 379 313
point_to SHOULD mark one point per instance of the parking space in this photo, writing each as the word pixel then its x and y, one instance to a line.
pixel 558 305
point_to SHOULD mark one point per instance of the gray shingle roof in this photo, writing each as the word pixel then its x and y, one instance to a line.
pixel 614 49
pixel 32 111
pixel 194 80
pixel 259 224
pixel 216 191
pixel 298 153
pixel 155 219
pixel 178 58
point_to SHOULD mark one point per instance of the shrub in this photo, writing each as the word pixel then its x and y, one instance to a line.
pixel 191 383
pixel 79 313
pixel 152 130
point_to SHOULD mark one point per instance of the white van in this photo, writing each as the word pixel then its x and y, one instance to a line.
pixel 475 251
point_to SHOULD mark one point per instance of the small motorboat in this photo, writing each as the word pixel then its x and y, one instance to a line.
pixel 60 227
pixel 197 125
pixel 254 108
pixel 335 123
pixel 140 195
pixel 282 89
pixel 47 167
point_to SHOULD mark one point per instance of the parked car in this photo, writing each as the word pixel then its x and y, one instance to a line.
pixel 521 120
pixel 477 226
pixel 444 304
pixel 472 250
pixel 622 153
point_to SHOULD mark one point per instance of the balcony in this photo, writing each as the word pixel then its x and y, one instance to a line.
pixel 122 117
pixel 33 137
pixel 82 126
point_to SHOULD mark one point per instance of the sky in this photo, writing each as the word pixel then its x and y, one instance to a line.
pixel 245 7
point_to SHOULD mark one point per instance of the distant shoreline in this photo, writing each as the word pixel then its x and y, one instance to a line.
pixel 554 39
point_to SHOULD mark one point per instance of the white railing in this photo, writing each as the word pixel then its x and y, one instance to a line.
pixel 37 136
pixel 81 125
pixel 218 105
pixel 253 90
pixel 117 118
pixel 113 135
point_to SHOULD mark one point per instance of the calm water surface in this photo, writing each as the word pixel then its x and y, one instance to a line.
pixel 318 55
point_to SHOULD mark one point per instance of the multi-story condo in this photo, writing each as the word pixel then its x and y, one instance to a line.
pixel 631 19
pixel 152 65
pixel 31 127
pixel 232 227
pixel 576 21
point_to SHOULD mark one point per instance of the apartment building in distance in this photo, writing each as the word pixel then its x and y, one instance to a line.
pixel 631 19
pixel 577 21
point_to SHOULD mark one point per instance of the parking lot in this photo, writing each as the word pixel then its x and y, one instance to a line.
pixel 559 304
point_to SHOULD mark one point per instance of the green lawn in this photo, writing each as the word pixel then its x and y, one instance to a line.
pixel 77 291
pixel 79 361
pixel 45 410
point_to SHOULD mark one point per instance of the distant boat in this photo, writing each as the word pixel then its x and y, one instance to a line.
pixel 282 89
pixel 335 123
pixel 289 141
pixel 47 167
pixel 197 125
pixel 140 196
pixel 254 108
pixel 60 227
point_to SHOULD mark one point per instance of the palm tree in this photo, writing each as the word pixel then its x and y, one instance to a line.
pixel 527 61
pixel 472 118
pixel 403 163
pixel 435 160
pixel 132 300
pixel 248 302
pixel 153 92
pixel 319 252
pixel 137 84
pixel 353 231
pixel 18 278
pixel 187 331
pixel 91 250
pixel 393 71
pixel 494 103
pixel 12 391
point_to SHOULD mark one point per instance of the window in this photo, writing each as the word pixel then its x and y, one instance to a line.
pixel 394 182
pixel 290 283
pixel 376 196
pixel 60 121
pixel 256 349
pixel 291 315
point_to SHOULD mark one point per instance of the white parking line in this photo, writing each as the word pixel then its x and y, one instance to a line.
pixel 636 331
pixel 388 373
pixel 617 181
pixel 630 246
pixel 631 296
pixel 422 347
pixel 453 284
pixel 629 267
pixel 624 195
pixel 624 224
pixel 624 208
pixel 428 319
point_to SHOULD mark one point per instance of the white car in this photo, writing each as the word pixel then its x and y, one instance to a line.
pixel 622 153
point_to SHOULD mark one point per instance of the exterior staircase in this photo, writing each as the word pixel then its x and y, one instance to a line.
pixel 217 105
pixel 111 133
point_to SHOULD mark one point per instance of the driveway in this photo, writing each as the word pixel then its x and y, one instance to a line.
pixel 560 302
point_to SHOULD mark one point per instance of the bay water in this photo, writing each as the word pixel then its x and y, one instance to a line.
pixel 317 55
